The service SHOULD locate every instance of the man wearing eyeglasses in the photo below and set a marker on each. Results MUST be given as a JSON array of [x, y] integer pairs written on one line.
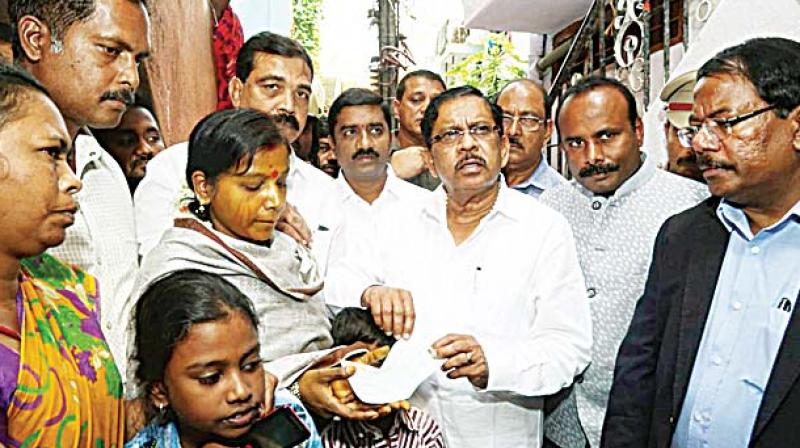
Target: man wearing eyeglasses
[[616, 203], [526, 122], [712, 356], [494, 278]]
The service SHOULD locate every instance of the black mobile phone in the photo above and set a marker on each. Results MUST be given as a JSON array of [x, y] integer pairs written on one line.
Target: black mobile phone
[[281, 428]]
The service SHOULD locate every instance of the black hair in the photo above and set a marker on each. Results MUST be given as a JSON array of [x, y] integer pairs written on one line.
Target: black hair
[[596, 82], [322, 127], [427, 74], [356, 97], [168, 309], [58, 15], [15, 84], [353, 325], [432, 112], [6, 32], [547, 103], [769, 63], [322, 132], [269, 43], [226, 140]]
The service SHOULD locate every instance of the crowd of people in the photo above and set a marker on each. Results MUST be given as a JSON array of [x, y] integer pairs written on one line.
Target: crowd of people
[[173, 297]]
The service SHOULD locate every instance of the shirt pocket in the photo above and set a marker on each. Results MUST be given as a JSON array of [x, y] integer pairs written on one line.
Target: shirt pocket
[[767, 343], [503, 299]]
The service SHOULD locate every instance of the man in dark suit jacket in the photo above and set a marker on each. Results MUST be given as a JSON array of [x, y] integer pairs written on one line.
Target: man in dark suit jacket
[[712, 356]]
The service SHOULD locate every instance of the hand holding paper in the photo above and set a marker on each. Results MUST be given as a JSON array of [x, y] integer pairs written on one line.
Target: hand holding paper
[[406, 367]]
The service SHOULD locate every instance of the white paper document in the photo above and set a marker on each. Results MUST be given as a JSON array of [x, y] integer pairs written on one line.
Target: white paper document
[[406, 367]]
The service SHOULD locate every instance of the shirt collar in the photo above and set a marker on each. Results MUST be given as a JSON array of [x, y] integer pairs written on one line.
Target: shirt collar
[[401, 418], [87, 151], [733, 218], [390, 187], [538, 179], [639, 178], [436, 203], [294, 161]]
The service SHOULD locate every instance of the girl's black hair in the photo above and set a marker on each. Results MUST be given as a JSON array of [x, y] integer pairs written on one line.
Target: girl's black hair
[[171, 305], [225, 140]]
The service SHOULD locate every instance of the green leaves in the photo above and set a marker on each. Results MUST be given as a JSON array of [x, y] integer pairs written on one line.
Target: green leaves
[[490, 68], [306, 16]]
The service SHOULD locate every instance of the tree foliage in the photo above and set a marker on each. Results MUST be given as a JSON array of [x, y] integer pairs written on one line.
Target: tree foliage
[[306, 17], [491, 67]]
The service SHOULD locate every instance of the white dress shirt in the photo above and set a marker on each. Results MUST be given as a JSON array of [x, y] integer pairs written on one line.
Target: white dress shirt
[[515, 285], [615, 237], [102, 241], [161, 197], [395, 191]]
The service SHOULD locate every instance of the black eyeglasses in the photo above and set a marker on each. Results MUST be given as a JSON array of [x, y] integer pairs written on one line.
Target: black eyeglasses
[[717, 129], [452, 136]]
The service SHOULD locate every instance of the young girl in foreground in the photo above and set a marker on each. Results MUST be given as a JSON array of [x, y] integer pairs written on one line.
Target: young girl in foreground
[[198, 361]]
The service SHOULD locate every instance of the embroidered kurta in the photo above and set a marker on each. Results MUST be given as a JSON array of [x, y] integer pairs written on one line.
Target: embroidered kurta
[[615, 237]]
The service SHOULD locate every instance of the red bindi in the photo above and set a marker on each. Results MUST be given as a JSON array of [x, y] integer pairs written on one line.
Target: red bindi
[[274, 174]]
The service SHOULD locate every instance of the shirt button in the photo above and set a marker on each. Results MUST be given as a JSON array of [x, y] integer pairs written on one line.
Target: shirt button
[[698, 416], [716, 360], [108, 325], [755, 250], [596, 205], [591, 292], [737, 306]]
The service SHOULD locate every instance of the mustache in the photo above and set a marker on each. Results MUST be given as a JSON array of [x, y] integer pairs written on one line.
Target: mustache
[[704, 161], [287, 119], [142, 158], [691, 159], [598, 168], [334, 165], [470, 158], [366, 152], [126, 96]]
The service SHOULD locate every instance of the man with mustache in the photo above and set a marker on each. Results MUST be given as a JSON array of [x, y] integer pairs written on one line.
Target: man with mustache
[[526, 120], [87, 55], [133, 143], [678, 97], [414, 92], [711, 356], [497, 290], [368, 186], [616, 203], [273, 75]]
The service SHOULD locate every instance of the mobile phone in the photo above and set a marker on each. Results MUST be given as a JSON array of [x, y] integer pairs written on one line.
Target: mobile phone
[[281, 428]]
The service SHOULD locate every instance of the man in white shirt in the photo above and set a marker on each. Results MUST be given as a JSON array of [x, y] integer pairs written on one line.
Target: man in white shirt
[[615, 203], [92, 80], [494, 278], [273, 75], [361, 136], [526, 122]]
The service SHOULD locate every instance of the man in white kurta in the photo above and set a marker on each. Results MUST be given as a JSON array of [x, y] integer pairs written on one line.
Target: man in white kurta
[[494, 278]]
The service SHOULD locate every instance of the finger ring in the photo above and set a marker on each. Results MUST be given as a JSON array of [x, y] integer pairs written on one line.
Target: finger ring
[[469, 357]]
